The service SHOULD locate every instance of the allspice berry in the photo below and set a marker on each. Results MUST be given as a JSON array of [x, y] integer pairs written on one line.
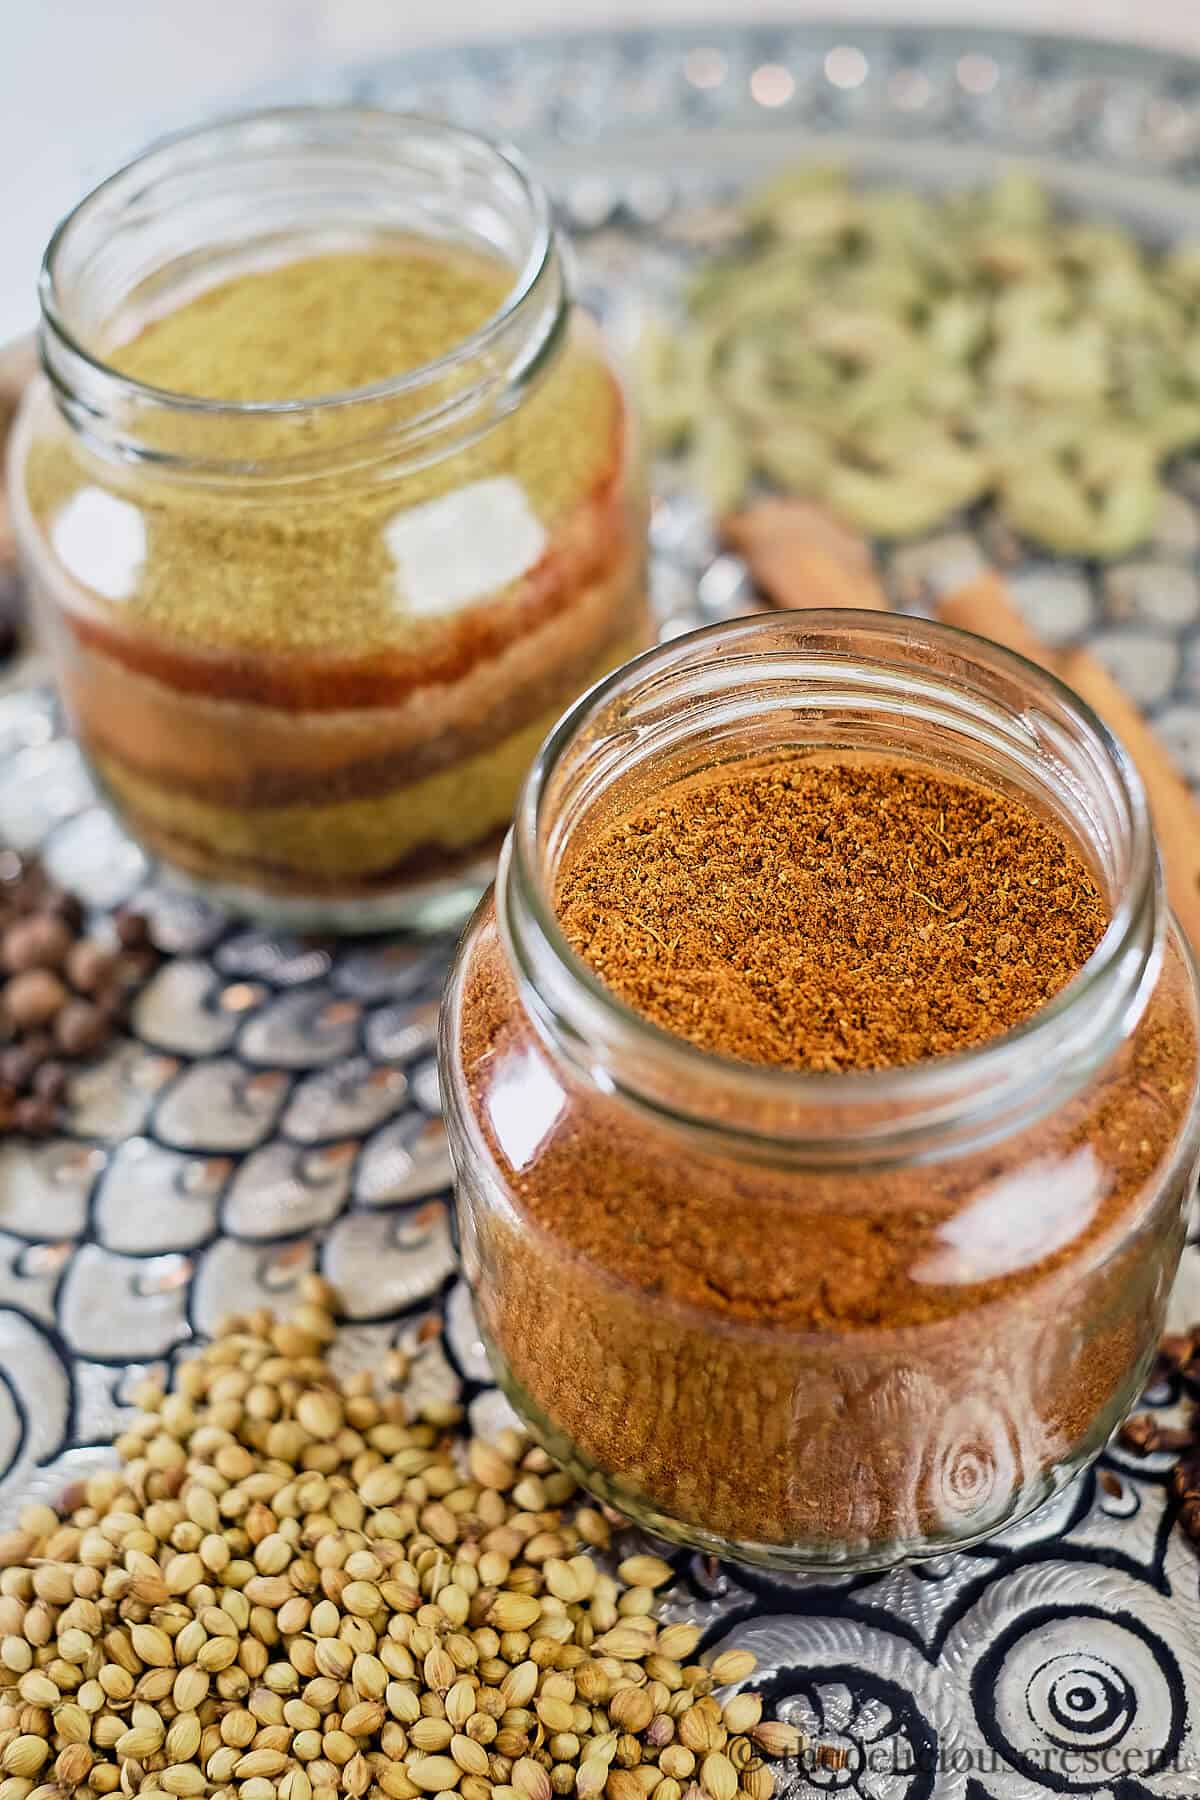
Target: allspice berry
[[64, 990], [40, 941], [89, 966], [33, 998], [35, 1117], [80, 1028], [17, 1066]]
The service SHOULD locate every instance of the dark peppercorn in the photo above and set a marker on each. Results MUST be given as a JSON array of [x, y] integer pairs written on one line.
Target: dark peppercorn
[[80, 1028], [40, 1045], [135, 966], [68, 908], [17, 1065], [50, 1081], [36, 1118], [133, 930]]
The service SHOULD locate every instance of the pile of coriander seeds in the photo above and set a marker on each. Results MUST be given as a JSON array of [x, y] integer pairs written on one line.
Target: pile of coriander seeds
[[295, 1588]]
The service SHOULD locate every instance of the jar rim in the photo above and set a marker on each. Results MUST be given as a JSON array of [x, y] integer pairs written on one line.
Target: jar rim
[[227, 131], [529, 922]]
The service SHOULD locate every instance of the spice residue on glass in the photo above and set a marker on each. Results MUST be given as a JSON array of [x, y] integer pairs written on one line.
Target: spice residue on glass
[[832, 915], [311, 649]]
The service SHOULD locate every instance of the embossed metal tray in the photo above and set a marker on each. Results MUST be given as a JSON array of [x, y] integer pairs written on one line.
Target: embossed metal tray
[[274, 1107]]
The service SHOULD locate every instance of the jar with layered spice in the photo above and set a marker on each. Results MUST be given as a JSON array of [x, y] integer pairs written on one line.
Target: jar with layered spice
[[851, 1307], [330, 502]]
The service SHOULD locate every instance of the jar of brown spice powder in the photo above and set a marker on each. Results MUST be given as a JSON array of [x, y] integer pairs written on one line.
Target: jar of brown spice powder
[[822, 1084], [330, 502]]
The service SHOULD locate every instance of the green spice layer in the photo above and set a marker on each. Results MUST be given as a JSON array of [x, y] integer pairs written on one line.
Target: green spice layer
[[318, 326], [303, 562]]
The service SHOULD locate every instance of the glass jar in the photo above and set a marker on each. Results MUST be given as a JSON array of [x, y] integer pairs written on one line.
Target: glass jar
[[310, 645], [814, 1319]]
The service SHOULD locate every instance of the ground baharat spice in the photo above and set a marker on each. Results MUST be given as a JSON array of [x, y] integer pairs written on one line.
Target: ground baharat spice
[[833, 916], [282, 694], [822, 1363], [319, 584]]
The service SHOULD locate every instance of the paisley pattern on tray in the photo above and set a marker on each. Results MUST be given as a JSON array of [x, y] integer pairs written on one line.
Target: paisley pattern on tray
[[275, 1108]]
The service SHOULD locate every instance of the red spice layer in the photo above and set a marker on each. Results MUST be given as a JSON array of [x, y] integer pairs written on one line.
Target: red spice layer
[[236, 754], [583, 546]]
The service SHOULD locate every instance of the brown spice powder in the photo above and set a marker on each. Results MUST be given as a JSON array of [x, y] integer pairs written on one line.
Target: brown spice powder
[[833, 916], [825, 1359]]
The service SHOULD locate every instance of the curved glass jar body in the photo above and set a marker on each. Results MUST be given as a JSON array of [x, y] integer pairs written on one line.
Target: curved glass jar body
[[831, 1319], [310, 647]]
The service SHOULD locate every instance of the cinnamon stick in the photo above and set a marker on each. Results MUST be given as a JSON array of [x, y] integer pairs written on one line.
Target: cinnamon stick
[[1173, 806], [801, 557], [985, 607]]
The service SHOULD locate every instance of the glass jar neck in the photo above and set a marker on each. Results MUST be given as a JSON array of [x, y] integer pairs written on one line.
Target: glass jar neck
[[267, 189], [836, 682]]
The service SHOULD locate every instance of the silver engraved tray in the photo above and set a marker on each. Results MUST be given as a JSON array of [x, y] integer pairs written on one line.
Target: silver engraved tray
[[274, 1106]]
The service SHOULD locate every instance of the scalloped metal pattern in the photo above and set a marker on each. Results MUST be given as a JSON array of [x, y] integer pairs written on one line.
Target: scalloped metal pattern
[[274, 1107]]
